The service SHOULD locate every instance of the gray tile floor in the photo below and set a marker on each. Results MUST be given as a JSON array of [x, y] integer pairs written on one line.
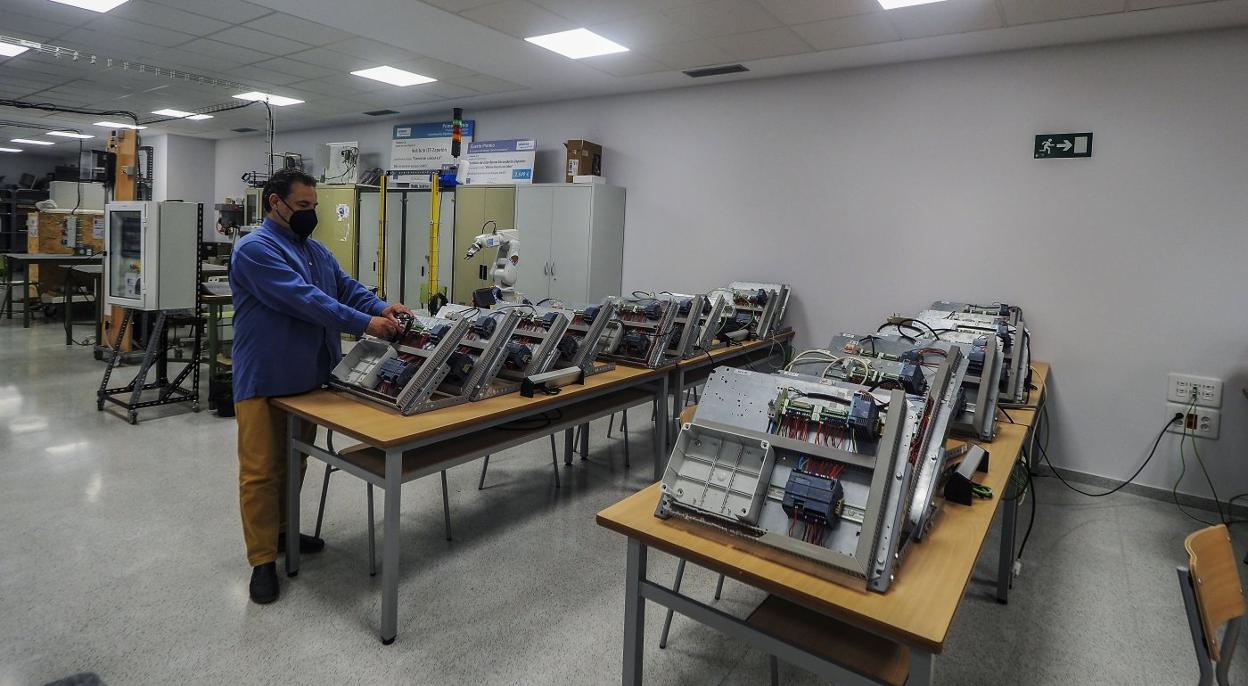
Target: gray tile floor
[[121, 553]]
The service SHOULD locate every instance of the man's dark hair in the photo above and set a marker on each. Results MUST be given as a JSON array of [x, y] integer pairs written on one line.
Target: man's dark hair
[[281, 181]]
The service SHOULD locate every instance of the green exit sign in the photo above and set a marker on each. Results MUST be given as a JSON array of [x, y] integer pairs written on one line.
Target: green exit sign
[[1050, 146]]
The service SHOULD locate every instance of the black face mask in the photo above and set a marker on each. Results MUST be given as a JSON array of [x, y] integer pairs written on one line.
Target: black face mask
[[302, 222]]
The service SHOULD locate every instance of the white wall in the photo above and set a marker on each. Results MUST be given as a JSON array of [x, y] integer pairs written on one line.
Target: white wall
[[184, 168], [878, 190]]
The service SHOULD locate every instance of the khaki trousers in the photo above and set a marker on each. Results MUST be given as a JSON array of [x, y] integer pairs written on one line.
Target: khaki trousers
[[262, 475]]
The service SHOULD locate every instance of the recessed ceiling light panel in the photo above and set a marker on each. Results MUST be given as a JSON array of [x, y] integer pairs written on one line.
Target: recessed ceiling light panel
[[394, 77], [577, 44], [10, 50], [172, 113], [69, 134], [199, 117], [117, 125], [278, 100], [93, 5], [31, 142], [10, 149], [894, 4]]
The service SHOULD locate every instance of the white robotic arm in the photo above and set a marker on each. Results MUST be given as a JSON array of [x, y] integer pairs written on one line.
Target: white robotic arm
[[507, 241]]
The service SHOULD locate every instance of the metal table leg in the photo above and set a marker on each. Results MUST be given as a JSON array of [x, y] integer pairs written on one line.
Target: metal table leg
[[390, 548], [69, 304], [678, 402], [634, 613], [1005, 562], [584, 441], [567, 447], [293, 425], [922, 668], [25, 298], [7, 308], [661, 446]]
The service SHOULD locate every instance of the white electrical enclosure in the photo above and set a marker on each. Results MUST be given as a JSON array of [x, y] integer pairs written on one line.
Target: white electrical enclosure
[[151, 254]]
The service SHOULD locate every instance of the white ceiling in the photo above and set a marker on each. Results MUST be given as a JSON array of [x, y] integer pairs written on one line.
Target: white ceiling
[[306, 48]]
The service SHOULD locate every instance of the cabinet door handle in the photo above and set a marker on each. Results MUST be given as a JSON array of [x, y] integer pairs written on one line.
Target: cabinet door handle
[[552, 268], [545, 269]]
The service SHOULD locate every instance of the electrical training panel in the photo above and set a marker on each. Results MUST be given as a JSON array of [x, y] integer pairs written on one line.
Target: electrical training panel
[[755, 309], [482, 352], [581, 342], [819, 472], [713, 321], [404, 374], [931, 372], [983, 350], [779, 292], [531, 347], [152, 254], [687, 325], [1016, 375], [640, 331]]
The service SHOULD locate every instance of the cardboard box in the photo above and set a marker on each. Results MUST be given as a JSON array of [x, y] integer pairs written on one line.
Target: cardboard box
[[584, 159]]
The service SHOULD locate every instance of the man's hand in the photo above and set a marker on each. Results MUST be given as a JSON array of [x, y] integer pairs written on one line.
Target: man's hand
[[382, 327], [395, 309]]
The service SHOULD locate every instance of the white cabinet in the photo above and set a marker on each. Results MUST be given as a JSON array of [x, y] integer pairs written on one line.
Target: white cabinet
[[572, 241], [152, 250]]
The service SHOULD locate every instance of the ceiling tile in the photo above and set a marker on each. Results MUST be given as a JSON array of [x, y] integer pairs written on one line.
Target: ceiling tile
[[196, 62], [483, 83], [412, 103], [644, 31], [625, 64], [806, 11], [945, 18], [1032, 11], [168, 17], [141, 32], [586, 12], [236, 11], [290, 67], [518, 18], [860, 29], [723, 17], [368, 49], [336, 62], [696, 53], [259, 76], [108, 45], [33, 28], [295, 28], [427, 66], [757, 45], [224, 51], [258, 40], [439, 88], [458, 5]]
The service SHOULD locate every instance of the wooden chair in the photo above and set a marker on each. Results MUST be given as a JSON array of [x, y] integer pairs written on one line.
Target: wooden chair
[[1213, 597]]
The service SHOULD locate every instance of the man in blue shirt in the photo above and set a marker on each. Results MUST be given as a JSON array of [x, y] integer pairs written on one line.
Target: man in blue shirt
[[292, 303]]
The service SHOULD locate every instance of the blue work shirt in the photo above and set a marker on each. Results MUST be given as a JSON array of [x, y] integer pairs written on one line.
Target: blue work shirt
[[292, 302]]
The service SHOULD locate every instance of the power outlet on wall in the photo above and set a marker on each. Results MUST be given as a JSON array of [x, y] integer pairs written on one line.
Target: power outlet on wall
[[1201, 422], [1183, 388]]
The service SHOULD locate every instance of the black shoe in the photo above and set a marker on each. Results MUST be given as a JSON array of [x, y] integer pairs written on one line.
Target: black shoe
[[264, 583], [307, 544]]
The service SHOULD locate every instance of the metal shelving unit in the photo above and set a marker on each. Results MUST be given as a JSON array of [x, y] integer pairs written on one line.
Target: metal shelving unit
[[15, 203]]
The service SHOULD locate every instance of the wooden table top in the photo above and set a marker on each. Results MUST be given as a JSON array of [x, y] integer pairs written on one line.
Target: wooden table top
[[918, 608], [747, 347], [382, 427]]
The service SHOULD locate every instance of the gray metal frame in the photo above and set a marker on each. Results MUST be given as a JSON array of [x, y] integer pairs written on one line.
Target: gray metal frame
[[588, 349], [481, 381], [684, 346], [1016, 359], [778, 303], [391, 482], [638, 589]]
